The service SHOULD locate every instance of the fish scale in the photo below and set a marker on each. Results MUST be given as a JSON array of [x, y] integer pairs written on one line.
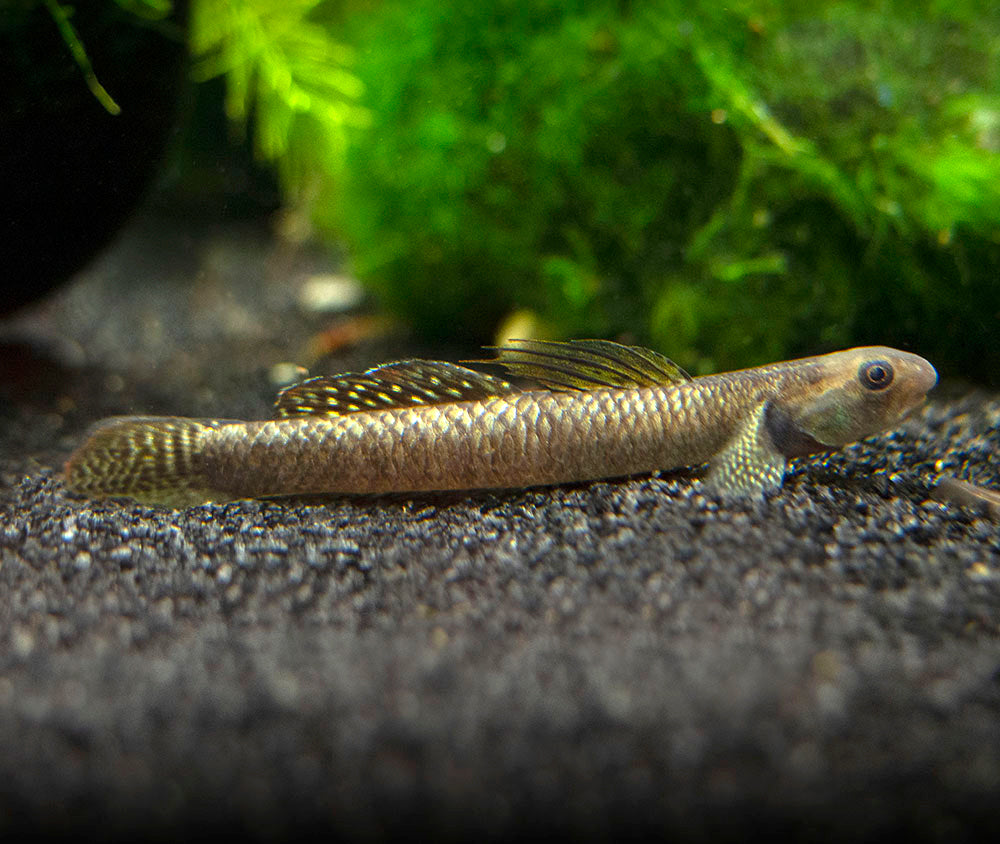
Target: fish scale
[[574, 427]]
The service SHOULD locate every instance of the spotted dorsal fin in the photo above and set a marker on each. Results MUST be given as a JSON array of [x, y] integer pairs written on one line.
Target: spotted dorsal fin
[[587, 364], [405, 384]]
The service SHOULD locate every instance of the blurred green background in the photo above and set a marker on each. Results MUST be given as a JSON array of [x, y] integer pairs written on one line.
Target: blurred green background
[[729, 185]]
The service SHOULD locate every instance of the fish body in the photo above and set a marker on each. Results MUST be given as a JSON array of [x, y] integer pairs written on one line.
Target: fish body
[[600, 410]]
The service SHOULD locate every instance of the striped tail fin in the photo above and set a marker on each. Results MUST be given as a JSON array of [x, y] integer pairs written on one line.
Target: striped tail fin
[[156, 460]]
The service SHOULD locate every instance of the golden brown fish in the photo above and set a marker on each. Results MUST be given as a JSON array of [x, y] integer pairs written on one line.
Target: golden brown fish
[[600, 410]]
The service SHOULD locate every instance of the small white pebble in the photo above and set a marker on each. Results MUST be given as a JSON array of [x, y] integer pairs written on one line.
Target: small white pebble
[[285, 373], [330, 294]]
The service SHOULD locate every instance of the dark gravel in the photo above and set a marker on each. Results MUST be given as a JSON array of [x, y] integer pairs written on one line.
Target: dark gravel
[[587, 660]]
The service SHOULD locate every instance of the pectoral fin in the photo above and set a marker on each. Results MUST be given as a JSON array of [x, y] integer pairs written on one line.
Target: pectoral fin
[[750, 464]]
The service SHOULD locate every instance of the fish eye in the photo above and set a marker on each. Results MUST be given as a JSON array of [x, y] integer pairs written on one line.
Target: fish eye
[[875, 374]]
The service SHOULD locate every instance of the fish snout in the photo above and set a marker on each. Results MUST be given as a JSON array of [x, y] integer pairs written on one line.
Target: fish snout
[[929, 375], [924, 377], [920, 377]]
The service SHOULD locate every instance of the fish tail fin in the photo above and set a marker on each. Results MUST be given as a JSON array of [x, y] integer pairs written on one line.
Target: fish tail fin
[[156, 460]]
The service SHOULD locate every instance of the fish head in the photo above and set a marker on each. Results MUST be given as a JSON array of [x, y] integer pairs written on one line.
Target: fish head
[[847, 396]]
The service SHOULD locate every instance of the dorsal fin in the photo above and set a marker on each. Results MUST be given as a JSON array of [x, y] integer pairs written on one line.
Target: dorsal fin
[[403, 384], [587, 364]]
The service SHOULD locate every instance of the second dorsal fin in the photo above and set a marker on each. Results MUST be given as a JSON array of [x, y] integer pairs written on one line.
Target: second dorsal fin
[[404, 384], [587, 364]]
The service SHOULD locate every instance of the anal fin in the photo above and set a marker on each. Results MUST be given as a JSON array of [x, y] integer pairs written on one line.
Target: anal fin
[[750, 464]]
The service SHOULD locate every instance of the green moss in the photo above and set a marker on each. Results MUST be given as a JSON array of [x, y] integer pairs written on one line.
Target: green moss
[[541, 163], [731, 184]]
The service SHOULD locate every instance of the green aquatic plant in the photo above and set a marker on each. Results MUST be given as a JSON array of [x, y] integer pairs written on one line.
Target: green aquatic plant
[[283, 66], [732, 184], [62, 15]]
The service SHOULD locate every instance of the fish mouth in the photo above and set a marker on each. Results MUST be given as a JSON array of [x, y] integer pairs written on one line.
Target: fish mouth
[[928, 379], [922, 378]]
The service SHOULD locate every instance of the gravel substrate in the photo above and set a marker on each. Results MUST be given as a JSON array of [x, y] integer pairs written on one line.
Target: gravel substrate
[[590, 660]]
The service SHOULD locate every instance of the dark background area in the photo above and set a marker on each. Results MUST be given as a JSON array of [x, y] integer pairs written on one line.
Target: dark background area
[[73, 172]]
